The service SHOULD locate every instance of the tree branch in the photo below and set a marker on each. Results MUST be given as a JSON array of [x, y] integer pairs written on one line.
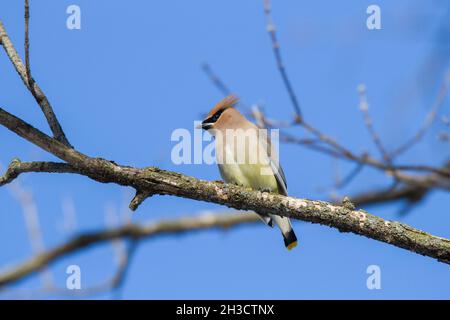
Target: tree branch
[[156, 181], [27, 44], [348, 219], [17, 167], [410, 193], [429, 119], [364, 107], [279, 61], [31, 85], [131, 231], [220, 85]]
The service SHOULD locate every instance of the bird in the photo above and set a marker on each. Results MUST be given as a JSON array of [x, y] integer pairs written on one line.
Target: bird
[[245, 158]]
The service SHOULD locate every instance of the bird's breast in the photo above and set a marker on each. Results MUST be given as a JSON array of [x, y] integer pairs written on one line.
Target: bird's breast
[[252, 175]]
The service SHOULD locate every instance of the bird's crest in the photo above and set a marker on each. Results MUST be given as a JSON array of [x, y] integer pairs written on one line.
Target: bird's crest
[[227, 102]]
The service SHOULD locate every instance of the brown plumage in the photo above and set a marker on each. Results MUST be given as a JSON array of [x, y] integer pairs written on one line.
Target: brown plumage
[[227, 102]]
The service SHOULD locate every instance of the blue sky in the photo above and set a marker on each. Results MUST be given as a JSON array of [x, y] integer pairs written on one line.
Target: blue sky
[[132, 75]]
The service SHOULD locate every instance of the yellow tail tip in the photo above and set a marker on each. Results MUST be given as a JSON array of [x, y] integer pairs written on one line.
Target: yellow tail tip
[[292, 245]]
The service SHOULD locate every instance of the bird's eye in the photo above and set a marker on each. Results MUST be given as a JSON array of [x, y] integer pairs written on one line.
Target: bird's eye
[[215, 116]]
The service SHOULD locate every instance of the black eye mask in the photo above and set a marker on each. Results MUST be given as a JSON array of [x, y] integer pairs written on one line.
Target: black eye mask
[[215, 116]]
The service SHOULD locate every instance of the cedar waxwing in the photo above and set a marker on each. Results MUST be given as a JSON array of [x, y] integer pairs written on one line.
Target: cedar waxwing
[[245, 158]]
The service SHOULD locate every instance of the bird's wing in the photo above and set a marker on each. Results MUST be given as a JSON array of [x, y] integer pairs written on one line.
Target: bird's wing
[[266, 219], [280, 177], [275, 166]]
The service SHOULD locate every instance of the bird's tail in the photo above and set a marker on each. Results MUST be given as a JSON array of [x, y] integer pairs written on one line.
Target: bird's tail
[[290, 240]]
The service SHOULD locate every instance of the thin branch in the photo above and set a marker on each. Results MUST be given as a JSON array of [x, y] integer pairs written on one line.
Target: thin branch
[[409, 193], [219, 84], [123, 252], [27, 45], [364, 107], [309, 143], [112, 284], [256, 114], [130, 231], [341, 152], [139, 198], [444, 136], [430, 180], [446, 121], [262, 120], [429, 119], [279, 61], [350, 176], [17, 167], [35, 90], [31, 217]]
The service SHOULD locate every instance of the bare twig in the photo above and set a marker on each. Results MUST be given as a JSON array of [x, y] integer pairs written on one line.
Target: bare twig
[[112, 284], [220, 85], [408, 193], [446, 120], [444, 136], [131, 231], [258, 116], [340, 149], [69, 217], [341, 152], [279, 61], [141, 196], [364, 107], [429, 119], [31, 217], [35, 90], [27, 45], [16, 168], [350, 176], [123, 252]]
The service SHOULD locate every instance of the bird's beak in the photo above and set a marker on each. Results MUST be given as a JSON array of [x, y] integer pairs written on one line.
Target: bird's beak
[[204, 125]]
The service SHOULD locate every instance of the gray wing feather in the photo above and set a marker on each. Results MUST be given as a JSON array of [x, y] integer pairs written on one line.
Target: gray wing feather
[[276, 168], [280, 177]]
